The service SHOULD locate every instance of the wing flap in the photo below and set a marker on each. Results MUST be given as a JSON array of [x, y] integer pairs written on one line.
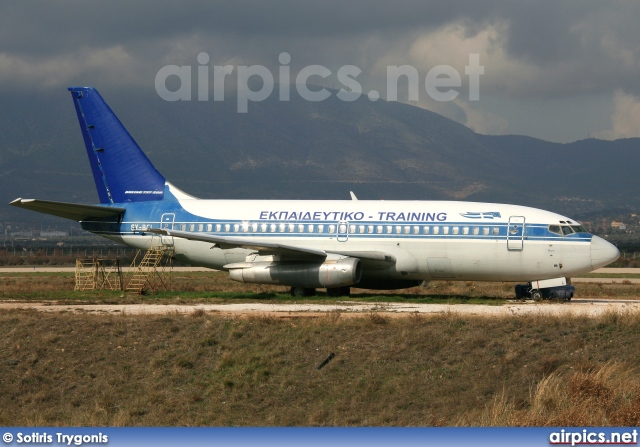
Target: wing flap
[[73, 211], [372, 259], [262, 247]]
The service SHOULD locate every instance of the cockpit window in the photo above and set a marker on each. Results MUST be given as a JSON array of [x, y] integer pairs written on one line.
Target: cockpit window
[[554, 229], [566, 230]]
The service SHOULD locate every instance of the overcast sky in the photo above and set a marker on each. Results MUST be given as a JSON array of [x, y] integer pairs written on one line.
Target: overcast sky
[[556, 70]]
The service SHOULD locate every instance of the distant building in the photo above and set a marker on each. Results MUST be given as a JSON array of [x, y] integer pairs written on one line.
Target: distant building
[[21, 234], [54, 234], [618, 225]]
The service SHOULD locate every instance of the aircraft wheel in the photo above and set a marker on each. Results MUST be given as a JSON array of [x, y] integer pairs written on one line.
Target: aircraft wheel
[[536, 296]]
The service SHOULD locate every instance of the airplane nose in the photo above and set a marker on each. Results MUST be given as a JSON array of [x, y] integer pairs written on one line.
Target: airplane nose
[[602, 252]]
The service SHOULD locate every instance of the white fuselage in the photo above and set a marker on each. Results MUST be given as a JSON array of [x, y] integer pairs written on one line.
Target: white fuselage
[[429, 239]]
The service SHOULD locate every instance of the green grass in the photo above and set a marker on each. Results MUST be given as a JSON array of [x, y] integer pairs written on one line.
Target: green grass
[[215, 287], [212, 287], [611, 275]]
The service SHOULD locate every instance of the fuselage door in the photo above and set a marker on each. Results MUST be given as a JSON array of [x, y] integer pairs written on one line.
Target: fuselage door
[[166, 223], [515, 233], [343, 231]]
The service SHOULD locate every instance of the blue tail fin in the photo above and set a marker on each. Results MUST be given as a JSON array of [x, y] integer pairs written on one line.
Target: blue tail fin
[[122, 172]]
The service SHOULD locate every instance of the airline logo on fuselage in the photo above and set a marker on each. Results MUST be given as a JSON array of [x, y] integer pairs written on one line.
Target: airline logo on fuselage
[[485, 215]]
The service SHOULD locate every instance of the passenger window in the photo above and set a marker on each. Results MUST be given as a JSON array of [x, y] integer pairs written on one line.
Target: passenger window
[[465, 230], [227, 227], [342, 228], [485, 231], [426, 229], [209, 227], [476, 230], [361, 229], [254, 227], [320, 228], [369, 229], [282, 227], [496, 231], [445, 230], [200, 227], [436, 230], [183, 227], [300, 228], [236, 227], [310, 228], [416, 230], [389, 229], [272, 228], [379, 229], [456, 230], [218, 227], [398, 229], [332, 229], [192, 227], [407, 230], [291, 228], [263, 228], [352, 229]]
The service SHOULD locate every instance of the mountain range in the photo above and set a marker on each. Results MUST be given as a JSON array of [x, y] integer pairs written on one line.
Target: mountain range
[[310, 150]]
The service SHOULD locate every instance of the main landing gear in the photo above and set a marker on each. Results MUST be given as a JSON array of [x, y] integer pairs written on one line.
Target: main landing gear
[[303, 291], [331, 291], [339, 291]]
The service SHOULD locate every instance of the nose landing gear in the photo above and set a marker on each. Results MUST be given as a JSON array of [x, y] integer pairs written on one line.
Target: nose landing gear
[[559, 289]]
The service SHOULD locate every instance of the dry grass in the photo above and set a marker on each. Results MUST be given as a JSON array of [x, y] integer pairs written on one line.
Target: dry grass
[[203, 369], [594, 395]]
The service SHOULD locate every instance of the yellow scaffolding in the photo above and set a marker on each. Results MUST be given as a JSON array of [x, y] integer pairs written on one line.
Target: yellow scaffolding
[[153, 271], [98, 274]]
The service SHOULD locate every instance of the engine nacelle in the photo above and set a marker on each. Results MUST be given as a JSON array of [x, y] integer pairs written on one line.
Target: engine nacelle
[[331, 273]]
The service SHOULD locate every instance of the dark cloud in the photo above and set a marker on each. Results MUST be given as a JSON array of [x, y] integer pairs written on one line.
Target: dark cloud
[[532, 50], [36, 27]]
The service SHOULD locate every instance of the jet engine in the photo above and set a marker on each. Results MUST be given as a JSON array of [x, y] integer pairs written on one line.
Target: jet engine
[[330, 273]]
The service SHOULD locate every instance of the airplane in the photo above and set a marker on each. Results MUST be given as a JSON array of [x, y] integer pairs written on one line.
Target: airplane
[[332, 244]]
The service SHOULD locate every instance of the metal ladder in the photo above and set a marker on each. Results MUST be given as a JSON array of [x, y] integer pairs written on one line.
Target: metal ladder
[[146, 275]]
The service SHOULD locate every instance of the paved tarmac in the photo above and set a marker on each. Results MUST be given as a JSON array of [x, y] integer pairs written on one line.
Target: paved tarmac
[[583, 307]]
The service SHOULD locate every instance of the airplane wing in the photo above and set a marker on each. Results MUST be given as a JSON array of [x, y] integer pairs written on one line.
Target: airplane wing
[[71, 211], [262, 247], [375, 259]]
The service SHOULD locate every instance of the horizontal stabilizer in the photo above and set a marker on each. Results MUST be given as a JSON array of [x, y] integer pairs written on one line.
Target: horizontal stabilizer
[[71, 211]]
